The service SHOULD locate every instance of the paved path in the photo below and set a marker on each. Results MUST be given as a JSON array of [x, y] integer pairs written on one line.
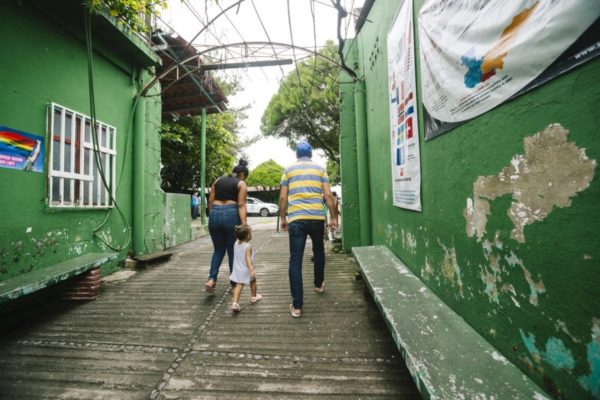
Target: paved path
[[157, 335]]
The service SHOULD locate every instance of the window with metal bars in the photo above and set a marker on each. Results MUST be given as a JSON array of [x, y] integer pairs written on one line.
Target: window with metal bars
[[77, 160]]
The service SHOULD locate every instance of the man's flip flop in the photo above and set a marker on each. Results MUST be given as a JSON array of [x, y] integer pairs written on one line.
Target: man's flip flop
[[320, 289]]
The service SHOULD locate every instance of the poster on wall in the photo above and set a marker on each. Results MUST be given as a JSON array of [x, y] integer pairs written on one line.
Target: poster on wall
[[404, 125], [21, 150], [476, 55]]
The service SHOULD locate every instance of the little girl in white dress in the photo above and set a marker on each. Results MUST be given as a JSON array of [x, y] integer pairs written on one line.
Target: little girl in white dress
[[243, 266]]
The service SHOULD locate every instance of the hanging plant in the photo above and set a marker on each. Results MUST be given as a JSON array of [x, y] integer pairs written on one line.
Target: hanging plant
[[130, 12]]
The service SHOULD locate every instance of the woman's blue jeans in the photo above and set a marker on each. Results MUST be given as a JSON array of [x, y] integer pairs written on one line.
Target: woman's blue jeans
[[221, 221], [298, 231]]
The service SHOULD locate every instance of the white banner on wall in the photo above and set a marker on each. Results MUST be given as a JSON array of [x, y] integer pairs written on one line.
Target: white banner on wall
[[476, 55], [404, 125]]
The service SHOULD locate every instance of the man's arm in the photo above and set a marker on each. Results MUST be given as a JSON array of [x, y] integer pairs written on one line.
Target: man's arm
[[283, 202], [331, 205]]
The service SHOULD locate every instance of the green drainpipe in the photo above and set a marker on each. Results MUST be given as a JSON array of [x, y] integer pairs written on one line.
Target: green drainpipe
[[203, 167], [362, 156], [139, 146]]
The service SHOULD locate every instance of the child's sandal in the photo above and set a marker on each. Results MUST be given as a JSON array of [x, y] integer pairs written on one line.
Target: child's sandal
[[256, 298], [235, 307]]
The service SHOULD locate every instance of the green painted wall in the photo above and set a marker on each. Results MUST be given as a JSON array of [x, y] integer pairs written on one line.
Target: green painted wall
[[178, 220], [348, 165], [154, 203], [536, 301], [45, 61]]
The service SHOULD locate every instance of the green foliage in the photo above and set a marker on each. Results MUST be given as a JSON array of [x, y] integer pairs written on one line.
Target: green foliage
[[333, 171], [310, 110], [131, 12], [180, 147], [266, 175]]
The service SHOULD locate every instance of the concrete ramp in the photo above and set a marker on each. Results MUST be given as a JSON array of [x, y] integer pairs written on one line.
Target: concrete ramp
[[157, 335]]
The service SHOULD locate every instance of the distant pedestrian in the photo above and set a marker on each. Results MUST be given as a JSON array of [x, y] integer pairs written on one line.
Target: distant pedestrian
[[304, 186], [227, 208], [336, 201], [243, 267], [194, 205]]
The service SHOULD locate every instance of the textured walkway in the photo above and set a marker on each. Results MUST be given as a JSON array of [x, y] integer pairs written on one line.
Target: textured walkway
[[157, 335]]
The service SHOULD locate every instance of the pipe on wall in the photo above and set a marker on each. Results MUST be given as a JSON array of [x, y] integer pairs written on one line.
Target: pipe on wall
[[362, 156], [139, 176]]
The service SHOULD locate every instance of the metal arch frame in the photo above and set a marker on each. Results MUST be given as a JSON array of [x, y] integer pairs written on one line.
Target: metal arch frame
[[224, 46]]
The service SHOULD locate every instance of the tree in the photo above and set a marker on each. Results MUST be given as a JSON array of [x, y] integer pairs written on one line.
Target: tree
[[180, 148], [307, 105], [333, 171], [180, 145], [266, 175]]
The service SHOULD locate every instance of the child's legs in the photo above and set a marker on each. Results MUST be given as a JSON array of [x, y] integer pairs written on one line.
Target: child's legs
[[253, 287], [237, 290]]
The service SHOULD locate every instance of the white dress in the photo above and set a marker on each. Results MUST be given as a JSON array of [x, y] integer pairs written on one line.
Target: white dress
[[240, 272]]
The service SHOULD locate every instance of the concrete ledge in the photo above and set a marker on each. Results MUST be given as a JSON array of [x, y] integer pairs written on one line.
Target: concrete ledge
[[447, 358], [46, 276]]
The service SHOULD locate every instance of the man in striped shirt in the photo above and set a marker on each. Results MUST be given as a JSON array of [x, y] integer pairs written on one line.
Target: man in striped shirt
[[304, 185]]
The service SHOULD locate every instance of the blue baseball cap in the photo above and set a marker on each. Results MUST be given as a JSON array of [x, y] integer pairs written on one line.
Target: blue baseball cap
[[303, 149]]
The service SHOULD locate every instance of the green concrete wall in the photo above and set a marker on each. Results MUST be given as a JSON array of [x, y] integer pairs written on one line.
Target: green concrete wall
[[178, 220], [348, 165], [154, 203], [48, 64], [536, 300]]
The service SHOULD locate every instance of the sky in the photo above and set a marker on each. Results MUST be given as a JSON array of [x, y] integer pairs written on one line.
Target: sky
[[187, 17]]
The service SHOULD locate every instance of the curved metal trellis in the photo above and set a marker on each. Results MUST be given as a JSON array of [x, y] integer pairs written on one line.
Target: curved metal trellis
[[245, 45]]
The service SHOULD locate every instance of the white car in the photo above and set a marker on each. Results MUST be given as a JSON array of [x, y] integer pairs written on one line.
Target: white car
[[257, 206]]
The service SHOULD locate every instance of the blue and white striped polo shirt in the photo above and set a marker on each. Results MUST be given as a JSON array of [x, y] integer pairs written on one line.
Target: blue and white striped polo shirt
[[304, 180]]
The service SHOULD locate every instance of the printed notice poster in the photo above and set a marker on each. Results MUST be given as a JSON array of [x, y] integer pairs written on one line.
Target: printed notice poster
[[404, 127], [475, 55], [21, 150]]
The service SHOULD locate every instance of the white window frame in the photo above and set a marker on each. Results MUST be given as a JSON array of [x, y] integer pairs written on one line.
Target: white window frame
[[76, 183]]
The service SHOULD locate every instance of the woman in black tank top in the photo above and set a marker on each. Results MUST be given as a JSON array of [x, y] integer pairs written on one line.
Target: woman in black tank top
[[227, 208]]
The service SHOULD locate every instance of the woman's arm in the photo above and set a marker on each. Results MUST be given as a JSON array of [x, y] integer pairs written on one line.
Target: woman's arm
[[211, 195], [241, 202]]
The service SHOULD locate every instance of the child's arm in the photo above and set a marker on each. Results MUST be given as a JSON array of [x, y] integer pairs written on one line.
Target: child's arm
[[249, 262]]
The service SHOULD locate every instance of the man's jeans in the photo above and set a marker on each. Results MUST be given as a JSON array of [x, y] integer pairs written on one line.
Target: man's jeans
[[221, 221], [298, 231]]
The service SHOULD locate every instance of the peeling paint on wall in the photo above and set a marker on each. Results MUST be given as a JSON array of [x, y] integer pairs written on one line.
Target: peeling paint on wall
[[498, 269], [551, 171], [447, 269], [535, 288], [409, 241], [450, 267], [490, 286], [391, 234], [591, 382], [561, 326], [32, 252], [556, 353], [426, 271]]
